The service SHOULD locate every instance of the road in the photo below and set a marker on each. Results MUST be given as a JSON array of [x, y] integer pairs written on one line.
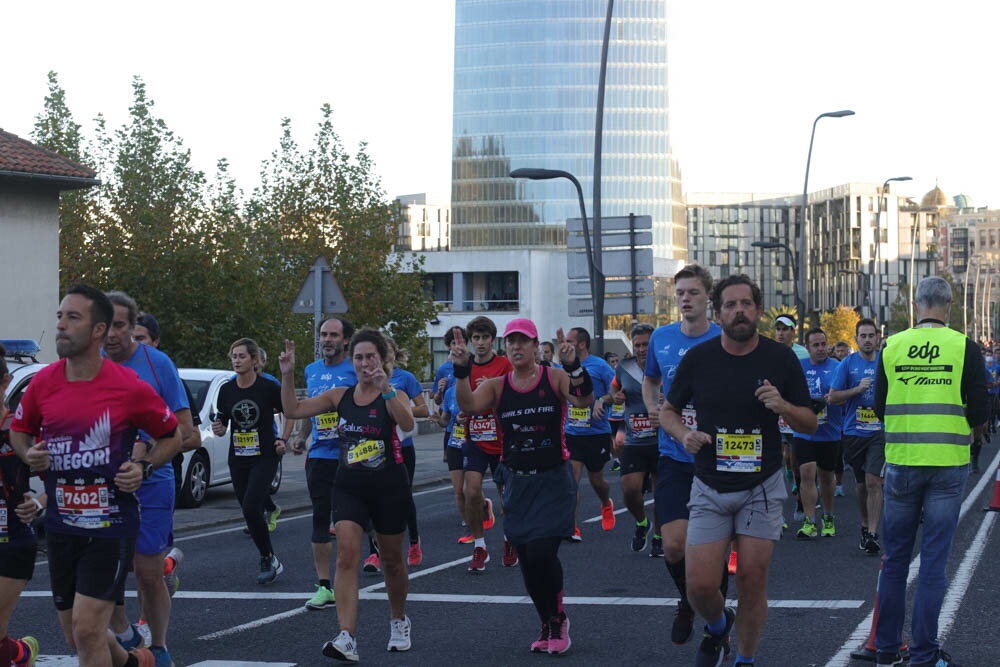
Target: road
[[620, 603]]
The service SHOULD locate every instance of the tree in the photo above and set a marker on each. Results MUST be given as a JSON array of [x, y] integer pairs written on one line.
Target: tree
[[839, 325], [766, 324]]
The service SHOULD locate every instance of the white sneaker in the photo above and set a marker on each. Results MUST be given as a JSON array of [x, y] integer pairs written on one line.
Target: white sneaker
[[344, 647], [399, 634]]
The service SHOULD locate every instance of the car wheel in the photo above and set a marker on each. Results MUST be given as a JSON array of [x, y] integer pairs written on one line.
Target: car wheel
[[276, 481], [195, 485]]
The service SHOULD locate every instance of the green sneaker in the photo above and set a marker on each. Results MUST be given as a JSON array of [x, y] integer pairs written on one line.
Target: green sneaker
[[807, 531], [323, 598], [272, 519], [828, 530]]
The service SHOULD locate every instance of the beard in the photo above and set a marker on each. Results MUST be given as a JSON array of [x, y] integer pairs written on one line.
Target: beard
[[740, 329]]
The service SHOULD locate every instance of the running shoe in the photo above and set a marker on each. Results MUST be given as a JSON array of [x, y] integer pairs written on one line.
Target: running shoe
[[270, 568], [144, 657], [656, 548], [942, 659], [343, 647], [683, 626], [798, 515], [29, 650], [171, 562], [488, 518], [883, 658], [480, 557], [638, 542], [333, 531], [272, 519], [616, 465], [873, 547], [322, 599], [828, 530], [807, 531], [795, 488], [541, 645], [145, 633], [372, 565], [399, 634], [711, 652], [576, 536], [467, 539], [162, 656], [731, 567], [839, 491], [608, 515], [509, 554], [863, 541], [559, 641], [135, 642], [414, 554]]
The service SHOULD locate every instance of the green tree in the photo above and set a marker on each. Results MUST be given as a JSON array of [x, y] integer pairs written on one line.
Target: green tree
[[766, 324]]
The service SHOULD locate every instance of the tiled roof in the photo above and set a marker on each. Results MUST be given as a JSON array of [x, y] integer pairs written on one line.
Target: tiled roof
[[19, 156]]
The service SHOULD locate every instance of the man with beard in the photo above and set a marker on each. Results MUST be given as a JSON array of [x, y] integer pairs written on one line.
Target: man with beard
[[739, 383], [334, 369]]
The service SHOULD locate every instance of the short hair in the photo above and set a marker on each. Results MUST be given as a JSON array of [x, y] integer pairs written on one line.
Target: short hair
[[842, 343], [640, 329], [608, 356], [449, 336], [250, 344], [814, 332], [865, 322], [125, 301], [481, 324], [376, 338], [345, 324], [729, 281], [548, 343], [582, 336], [695, 271], [933, 292], [101, 309]]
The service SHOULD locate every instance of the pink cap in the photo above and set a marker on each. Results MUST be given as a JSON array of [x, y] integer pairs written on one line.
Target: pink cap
[[522, 326]]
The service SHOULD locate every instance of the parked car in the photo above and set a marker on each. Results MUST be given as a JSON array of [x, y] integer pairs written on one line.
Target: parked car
[[209, 465]]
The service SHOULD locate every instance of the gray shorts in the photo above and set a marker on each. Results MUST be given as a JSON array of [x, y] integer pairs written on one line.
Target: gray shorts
[[717, 516]]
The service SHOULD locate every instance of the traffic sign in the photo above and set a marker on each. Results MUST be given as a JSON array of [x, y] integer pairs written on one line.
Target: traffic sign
[[612, 240], [612, 287], [614, 263], [617, 305], [327, 299], [613, 224]]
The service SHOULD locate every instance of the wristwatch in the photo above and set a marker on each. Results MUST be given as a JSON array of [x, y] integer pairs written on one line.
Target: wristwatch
[[147, 468]]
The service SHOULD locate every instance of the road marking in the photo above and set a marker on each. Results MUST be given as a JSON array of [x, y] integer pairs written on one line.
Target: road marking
[[842, 658], [255, 624], [595, 519], [73, 661]]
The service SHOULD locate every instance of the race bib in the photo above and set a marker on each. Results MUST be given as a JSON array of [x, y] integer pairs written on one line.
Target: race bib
[[689, 417], [246, 444], [367, 453], [738, 452], [579, 417], [84, 505], [641, 426], [617, 411], [821, 417], [867, 420], [326, 425], [457, 435], [483, 428]]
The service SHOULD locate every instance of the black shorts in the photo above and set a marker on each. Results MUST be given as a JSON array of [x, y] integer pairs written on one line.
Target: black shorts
[[379, 498], [320, 475], [592, 451], [475, 459], [823, 452], [639, 458], [93, 566], [453, 455], [673, 489], [866, 454], [18, 562]]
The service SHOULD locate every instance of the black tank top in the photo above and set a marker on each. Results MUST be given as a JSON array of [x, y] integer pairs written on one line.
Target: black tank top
[[532, 422], [368, 439]]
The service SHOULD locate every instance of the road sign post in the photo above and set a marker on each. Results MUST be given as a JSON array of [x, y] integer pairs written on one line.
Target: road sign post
[[319, 294]]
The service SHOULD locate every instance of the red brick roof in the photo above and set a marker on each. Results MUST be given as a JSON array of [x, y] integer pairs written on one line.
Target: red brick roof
[[21, 157]]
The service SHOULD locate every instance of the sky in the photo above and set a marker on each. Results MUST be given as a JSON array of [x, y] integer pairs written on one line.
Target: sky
[[746, 81]]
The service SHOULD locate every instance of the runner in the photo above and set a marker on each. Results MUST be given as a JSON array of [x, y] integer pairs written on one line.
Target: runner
[[739, 383], [784, 333], [538, 489], [156, 495], [334, 369], [248, 402], [89, 410], [453, 420], [675, 468], [588, 431], [864, 434], [444, 378], [371, 483]]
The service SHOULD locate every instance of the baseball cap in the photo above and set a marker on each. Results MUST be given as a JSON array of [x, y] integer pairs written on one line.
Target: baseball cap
[[148, 321], [522, 326], [787, 320]]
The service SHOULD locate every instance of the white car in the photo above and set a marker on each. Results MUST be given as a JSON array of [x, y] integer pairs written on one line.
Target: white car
[[209, 465]]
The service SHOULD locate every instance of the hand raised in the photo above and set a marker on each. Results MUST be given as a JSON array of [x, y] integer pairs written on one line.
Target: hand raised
[[286, 359]]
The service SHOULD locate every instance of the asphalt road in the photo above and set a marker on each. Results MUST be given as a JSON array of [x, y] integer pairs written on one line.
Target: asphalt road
[[620, 604]]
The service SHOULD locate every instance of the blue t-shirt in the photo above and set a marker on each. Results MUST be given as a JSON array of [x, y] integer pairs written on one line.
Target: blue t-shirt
[[992, 370], [581, 421], [159, 372], [446, 370], [450, 406], [859, 411], [319, 378], [819, 379], [406, 382], [667, 346]]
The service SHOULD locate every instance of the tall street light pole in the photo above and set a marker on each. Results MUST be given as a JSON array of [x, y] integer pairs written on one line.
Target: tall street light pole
[[596, 201], [593, 271], [877, 282], [799, 303], [965, 295], [804, 235]]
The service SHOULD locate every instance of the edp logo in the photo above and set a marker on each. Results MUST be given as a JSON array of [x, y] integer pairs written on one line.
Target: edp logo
[[926, 352]]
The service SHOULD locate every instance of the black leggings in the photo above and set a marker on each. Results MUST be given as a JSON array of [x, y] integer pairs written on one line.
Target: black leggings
[[410, 461], [252, 483], [543, 575]]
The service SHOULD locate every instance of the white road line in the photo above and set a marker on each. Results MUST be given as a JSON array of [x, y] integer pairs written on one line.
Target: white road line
[[595, 519], [963, 576], [255, 624], [842, 658], [73, 661], [420, 573]]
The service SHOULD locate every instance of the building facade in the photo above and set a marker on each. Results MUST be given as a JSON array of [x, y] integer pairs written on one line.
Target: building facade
[[422, 226], [971, 254]]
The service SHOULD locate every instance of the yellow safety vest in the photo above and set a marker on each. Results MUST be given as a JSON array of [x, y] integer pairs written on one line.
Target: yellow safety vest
[[925, 422]]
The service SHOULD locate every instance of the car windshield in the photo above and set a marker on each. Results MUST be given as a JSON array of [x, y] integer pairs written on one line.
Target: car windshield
[[199, 389]]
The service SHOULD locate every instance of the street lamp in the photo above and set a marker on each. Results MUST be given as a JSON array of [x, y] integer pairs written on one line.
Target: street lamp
[[877, 283], [865, 300], [965, 294], [799, 302], [593, 271], [804, 236]]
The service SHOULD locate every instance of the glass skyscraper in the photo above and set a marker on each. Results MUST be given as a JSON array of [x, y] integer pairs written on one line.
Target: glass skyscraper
[[526, 75]]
